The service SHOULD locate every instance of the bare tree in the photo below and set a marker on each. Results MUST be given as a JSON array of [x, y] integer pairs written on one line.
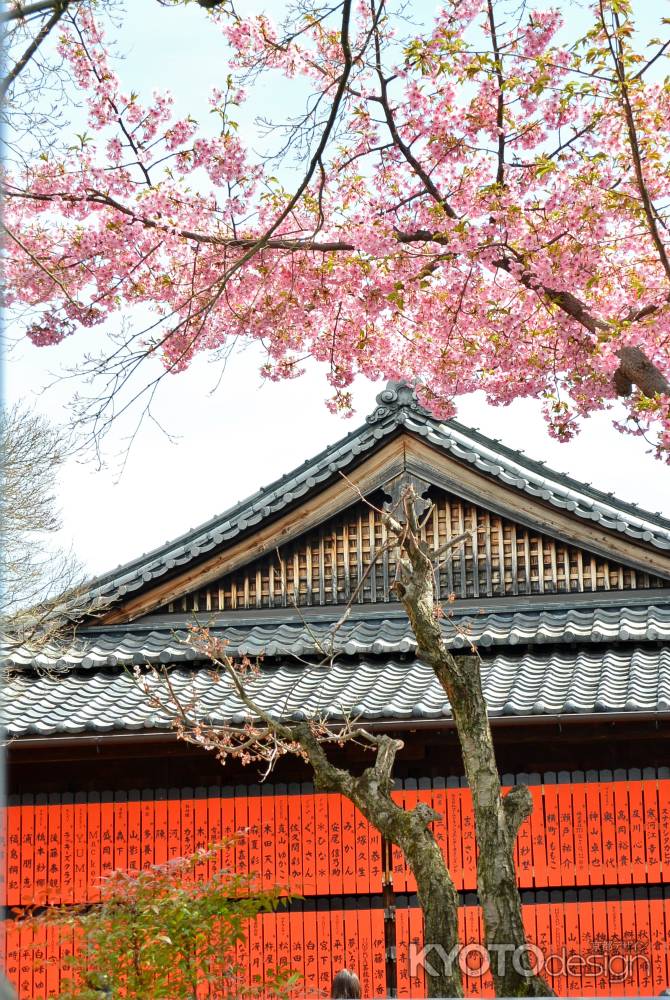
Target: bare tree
[[40, 594], [266, 736]]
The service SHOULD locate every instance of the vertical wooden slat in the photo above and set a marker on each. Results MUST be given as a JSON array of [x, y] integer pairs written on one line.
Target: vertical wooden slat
[[645, 967], [268, 863], [134, 830], [398, 865], [295, 845], [614, 935], [322, 570], [94, 845], [359, 558], [41, 849], [539, 544], [469, 840], [447, 538], [474, 543], [403, 988], [282, 926], [378, 953], [334, 813], [241, 813], [324, 947], [557, 925], [27, 848], [362, 845], [365, 947], [296, 579], [348, 847], [38, 957], [377, 863], [594, 831], [67, 846], [487, 554], [160, 820], [527, 565], [80, 847], [455, 833], [53, 961], [659, 950], [174, 824], [524, 854], [461, 552], [309, 573], [308, 828], [187, 830], [147, 829], [297, 948], [214, 825], [622, 825], [664, 825], [608, 826], [281, 834], [321, 843], [651, 825], [337, 934], [311, 952], [514, 554], [552, 830], [566, 829], [538, 833], [572, 945], [228, 827], [26, 961], [254, 973], [333, 567], [373, 554], [106, 834], [580, 827], [54, 848], [201, 868]]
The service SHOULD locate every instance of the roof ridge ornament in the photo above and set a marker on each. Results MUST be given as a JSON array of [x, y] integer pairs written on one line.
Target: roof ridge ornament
[[394, 398]]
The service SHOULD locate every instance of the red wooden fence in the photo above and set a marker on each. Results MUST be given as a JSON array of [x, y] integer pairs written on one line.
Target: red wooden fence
[[594, 856]]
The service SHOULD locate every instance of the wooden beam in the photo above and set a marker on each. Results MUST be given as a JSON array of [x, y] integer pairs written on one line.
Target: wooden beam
[[472, 485]]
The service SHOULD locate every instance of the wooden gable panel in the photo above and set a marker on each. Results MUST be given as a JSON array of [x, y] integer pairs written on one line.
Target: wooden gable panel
[[346, 557]]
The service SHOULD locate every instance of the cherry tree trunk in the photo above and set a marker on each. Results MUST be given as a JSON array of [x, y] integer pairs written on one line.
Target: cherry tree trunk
[[497, 819], [410, 831]]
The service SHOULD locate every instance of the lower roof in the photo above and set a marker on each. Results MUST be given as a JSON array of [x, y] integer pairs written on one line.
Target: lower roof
[[617, 679], [366, 632]]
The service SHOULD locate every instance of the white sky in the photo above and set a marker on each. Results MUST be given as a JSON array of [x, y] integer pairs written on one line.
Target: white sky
[[248, 433]]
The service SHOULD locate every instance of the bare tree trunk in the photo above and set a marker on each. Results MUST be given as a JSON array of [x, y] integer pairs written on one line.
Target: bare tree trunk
[[410, 831], [497, 819]]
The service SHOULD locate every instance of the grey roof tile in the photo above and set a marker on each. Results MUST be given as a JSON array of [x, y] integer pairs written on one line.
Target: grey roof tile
[[630, 679], [377, 636]]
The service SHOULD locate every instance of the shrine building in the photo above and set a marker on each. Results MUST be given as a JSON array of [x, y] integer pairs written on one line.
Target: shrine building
[[564, 591]]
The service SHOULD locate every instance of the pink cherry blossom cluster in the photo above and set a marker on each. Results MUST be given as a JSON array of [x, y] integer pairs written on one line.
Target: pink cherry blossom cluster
[[489, 213]]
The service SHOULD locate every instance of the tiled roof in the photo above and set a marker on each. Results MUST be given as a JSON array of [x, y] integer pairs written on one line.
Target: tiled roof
[[532, 685], [371, 636], [397, 409]]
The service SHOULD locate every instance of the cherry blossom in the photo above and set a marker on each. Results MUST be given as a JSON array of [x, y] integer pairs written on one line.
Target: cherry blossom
[[483, 207]]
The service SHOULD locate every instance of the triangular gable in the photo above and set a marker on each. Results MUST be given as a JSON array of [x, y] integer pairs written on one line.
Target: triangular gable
[[345, 559], [536, 531]]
